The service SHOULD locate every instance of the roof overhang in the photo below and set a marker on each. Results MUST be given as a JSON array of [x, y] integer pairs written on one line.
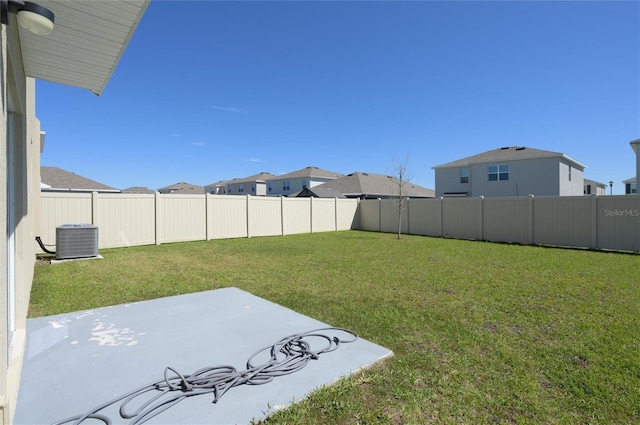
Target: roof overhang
[[635, 145], [87, 42]]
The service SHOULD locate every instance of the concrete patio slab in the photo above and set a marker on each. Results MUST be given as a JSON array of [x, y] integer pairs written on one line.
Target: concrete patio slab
[[77, 361]]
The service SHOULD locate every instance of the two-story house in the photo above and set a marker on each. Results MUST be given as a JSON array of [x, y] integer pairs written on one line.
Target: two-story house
[[511, 171]]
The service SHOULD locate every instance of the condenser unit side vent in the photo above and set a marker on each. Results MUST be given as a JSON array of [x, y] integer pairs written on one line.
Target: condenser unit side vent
[[76, 241]]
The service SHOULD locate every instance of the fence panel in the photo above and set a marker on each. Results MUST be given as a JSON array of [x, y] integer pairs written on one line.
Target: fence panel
[[347, 214], [181, 218], [461, 218], [425, 217], [227, 217], [370, 215], [123, 219], [618, 221], [296, 215], [323, 214], [389, 210], [506, 219], [562, 221], [264, 216], [63, 208]]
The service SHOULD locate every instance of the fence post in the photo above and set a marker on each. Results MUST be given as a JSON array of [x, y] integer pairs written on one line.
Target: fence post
[[248, 216], [335, 215], [207, 225], [282, 215], [379, 214], [441, 216], [311, 214], [94, 208], [481, 230], [157, 217], [594, 221], [530, 219]]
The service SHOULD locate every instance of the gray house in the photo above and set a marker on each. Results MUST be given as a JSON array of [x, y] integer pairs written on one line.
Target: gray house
[[592, 187], [54, 179], [252, 185], [511, 171], [630, 186], [374, 186], [296, 181]]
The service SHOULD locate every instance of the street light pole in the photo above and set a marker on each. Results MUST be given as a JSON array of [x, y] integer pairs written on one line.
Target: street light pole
[[611, 187]]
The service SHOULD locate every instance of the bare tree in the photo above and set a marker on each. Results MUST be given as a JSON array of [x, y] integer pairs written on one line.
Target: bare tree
[[401, 199]]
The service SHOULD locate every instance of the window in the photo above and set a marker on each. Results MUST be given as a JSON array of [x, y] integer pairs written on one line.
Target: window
[[269, 186], [304, 184], [240, 188], [498, 173], [630, 188], [285, 185], [464, 175], [569, 172], [587, 189], [253, 187]]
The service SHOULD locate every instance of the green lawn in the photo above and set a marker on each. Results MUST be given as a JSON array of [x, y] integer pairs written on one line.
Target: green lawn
[[482, 332]]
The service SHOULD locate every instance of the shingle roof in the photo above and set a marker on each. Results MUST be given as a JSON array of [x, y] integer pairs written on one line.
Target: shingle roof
[[58, 179], [137, 189], [182, 188], [319, 192], [375, 185], [309, 172], [260, 176], [506, 154]]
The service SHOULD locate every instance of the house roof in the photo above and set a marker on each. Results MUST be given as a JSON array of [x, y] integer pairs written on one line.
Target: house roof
[[374, 185], [635, 145], [86, 44], [260, 176], [318, 192], [137, 189], [56, 179], [182, 188], [630, 180], [509, 153], [308, 172]]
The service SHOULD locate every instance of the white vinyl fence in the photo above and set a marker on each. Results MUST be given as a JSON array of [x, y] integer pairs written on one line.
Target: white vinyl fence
[[596, 222], [148, 219]]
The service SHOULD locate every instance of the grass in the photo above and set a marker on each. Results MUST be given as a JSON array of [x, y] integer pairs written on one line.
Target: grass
[[482, 332]]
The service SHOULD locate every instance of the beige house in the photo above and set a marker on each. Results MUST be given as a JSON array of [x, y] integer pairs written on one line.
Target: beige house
[[511, 171], [67, 56], [592, 187]]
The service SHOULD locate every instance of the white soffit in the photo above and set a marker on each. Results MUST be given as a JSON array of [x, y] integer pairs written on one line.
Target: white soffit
[[88, 40]]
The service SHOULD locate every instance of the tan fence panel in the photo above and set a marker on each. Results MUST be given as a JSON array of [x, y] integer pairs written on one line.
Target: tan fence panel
[[323, 214], [125, 219], [347, 214], [461, 218], [370, 215], [562, 221], [618, 219], [296, 215], [226, 216], [425, 217], [63, 208], [264, 216], [181, 218], [389, 209], [506, 219]]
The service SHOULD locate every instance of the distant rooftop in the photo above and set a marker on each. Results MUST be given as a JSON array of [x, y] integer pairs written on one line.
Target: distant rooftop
[[505, 154]]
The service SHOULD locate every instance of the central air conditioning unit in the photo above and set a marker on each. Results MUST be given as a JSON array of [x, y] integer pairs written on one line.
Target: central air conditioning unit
[[76, 241]]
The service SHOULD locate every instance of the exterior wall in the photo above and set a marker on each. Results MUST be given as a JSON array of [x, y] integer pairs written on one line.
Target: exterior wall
[[539, 177], [20, 140]]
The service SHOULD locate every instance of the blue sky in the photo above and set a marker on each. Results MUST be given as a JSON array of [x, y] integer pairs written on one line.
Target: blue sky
[[211, 90]]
